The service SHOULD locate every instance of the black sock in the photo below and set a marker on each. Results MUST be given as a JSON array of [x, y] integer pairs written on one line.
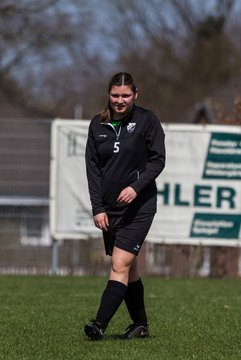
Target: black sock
[[112, 297], [134, 300]]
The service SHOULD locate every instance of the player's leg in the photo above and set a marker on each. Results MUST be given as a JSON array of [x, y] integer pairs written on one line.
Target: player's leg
[[134, 299], [113, 294]]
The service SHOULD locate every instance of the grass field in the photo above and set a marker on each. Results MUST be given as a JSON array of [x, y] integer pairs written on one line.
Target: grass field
[[43, 317]]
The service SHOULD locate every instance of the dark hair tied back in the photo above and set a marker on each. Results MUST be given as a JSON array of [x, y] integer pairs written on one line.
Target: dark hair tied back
[[122, 78]]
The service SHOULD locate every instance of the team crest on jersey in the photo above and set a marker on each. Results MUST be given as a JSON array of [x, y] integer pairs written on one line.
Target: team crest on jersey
[[131, 127]]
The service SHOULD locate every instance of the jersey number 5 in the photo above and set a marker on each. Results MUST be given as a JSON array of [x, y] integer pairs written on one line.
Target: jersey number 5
[[116, 147]]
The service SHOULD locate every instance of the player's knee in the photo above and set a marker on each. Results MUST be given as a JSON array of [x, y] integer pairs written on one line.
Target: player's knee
[[119, 266]]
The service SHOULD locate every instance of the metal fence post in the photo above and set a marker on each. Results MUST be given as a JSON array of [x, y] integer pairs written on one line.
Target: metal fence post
[[55, 256]]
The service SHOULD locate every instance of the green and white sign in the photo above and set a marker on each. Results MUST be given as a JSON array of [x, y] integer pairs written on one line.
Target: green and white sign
[[223, 226], [199, 191], [224, 157]]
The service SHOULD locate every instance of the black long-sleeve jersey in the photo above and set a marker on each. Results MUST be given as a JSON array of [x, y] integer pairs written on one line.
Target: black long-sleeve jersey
[[131, 155]]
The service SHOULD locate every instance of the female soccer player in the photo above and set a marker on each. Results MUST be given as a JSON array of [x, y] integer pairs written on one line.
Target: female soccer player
[[125, 152]]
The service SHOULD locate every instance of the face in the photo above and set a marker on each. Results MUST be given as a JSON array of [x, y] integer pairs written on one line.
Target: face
[[122, 99]]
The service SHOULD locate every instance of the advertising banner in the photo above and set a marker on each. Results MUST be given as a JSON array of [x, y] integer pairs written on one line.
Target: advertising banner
[[199, 191]]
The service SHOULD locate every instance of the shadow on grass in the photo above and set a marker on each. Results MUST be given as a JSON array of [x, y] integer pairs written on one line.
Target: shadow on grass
[[120, 338]]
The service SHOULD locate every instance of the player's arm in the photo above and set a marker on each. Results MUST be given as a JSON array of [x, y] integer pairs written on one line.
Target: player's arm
[[93, 172], [155, 141]]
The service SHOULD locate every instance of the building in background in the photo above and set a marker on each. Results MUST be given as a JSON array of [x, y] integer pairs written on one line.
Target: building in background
[[221, 107], [24, 178]]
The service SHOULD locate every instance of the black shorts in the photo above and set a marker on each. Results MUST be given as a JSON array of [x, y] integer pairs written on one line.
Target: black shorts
[[127, 232]]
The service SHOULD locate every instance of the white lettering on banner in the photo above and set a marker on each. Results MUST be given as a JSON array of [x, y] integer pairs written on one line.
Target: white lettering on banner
[[224, 143], [229, 170], [225, 151]]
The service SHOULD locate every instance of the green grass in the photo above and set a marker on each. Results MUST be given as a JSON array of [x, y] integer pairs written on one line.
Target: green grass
[[43, 317]]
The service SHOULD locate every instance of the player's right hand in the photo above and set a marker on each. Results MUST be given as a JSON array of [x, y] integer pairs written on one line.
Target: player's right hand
[[101, 221]]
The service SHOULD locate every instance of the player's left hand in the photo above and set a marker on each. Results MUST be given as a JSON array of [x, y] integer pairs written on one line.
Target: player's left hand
[[127, 195]]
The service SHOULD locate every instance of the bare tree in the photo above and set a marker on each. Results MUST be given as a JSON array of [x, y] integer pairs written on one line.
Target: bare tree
[[179, 51], [43, 46], [63, 52]]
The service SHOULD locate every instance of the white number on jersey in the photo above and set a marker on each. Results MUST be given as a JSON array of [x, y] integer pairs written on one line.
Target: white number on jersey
[[116, 147]]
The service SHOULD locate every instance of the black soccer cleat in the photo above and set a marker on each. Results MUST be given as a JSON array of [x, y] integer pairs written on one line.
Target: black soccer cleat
[[94, 331], [135, 331]]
